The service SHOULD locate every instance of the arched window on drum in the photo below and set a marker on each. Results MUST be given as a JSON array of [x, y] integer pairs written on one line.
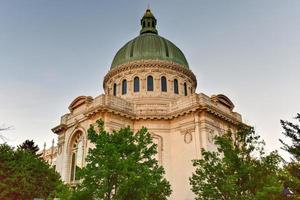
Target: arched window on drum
[[164, 86], [185, 90], [136, 84], [124, 87], [150, 85], [115, 89], [176, 90]]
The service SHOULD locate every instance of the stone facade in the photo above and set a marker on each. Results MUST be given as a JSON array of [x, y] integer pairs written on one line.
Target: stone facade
[[181, 122]]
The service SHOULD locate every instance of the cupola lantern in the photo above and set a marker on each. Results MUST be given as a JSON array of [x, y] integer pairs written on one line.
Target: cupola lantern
[[148, 23]]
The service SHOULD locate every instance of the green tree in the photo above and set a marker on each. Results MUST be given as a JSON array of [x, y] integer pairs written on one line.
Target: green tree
[[239, 169], [122, 166], [29, 145], [292, 132], [62, 192], [24, 176]]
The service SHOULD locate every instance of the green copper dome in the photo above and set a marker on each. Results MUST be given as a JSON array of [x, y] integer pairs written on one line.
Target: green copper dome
[[149, 46]]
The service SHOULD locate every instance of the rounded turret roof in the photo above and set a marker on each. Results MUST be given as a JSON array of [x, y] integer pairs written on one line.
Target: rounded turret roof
[[149, 46]]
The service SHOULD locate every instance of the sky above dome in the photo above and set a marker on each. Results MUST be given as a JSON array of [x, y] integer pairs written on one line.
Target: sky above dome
[[53, 51]]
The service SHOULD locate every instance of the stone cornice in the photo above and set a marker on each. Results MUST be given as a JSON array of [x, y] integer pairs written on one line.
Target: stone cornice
[[154, 64], [60, 128], [221, 115]]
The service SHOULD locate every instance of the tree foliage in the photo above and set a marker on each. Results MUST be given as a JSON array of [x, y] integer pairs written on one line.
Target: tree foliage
[[292, 132], [122, 166], [29, 145], [239, 169], [25, 176]]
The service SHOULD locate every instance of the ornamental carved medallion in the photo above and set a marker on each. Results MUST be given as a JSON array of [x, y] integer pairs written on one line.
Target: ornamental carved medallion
[[188, 137], [211, 135]]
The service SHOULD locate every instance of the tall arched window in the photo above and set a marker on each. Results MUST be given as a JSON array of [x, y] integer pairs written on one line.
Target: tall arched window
[[124, 87], [176, 91], [185, 89], [115, 89], [150, 86], [77, 157], [164, 86], [136, 84]]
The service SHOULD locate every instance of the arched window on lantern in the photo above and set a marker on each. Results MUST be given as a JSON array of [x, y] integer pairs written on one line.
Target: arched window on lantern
[[176, 91], [150, 86], [136, 84], [115, 89], [164, 86], [124, 87], [185, 89], [77, 157]]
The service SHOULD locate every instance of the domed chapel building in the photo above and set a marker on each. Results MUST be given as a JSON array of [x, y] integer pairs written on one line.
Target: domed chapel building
[[149, 84]]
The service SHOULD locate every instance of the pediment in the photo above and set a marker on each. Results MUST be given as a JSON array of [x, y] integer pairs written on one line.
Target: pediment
[[80, 101], [221, 98]]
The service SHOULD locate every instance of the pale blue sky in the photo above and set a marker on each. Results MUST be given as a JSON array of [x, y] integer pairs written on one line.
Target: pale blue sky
[[53, 51]]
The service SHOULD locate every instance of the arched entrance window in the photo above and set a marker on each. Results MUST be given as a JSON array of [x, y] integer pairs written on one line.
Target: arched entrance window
[[176, 91], [158, 140], [77, 156], [185, 89], [115, 89], [124, 87], [150, 83], [136, 84], [164, 86]]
